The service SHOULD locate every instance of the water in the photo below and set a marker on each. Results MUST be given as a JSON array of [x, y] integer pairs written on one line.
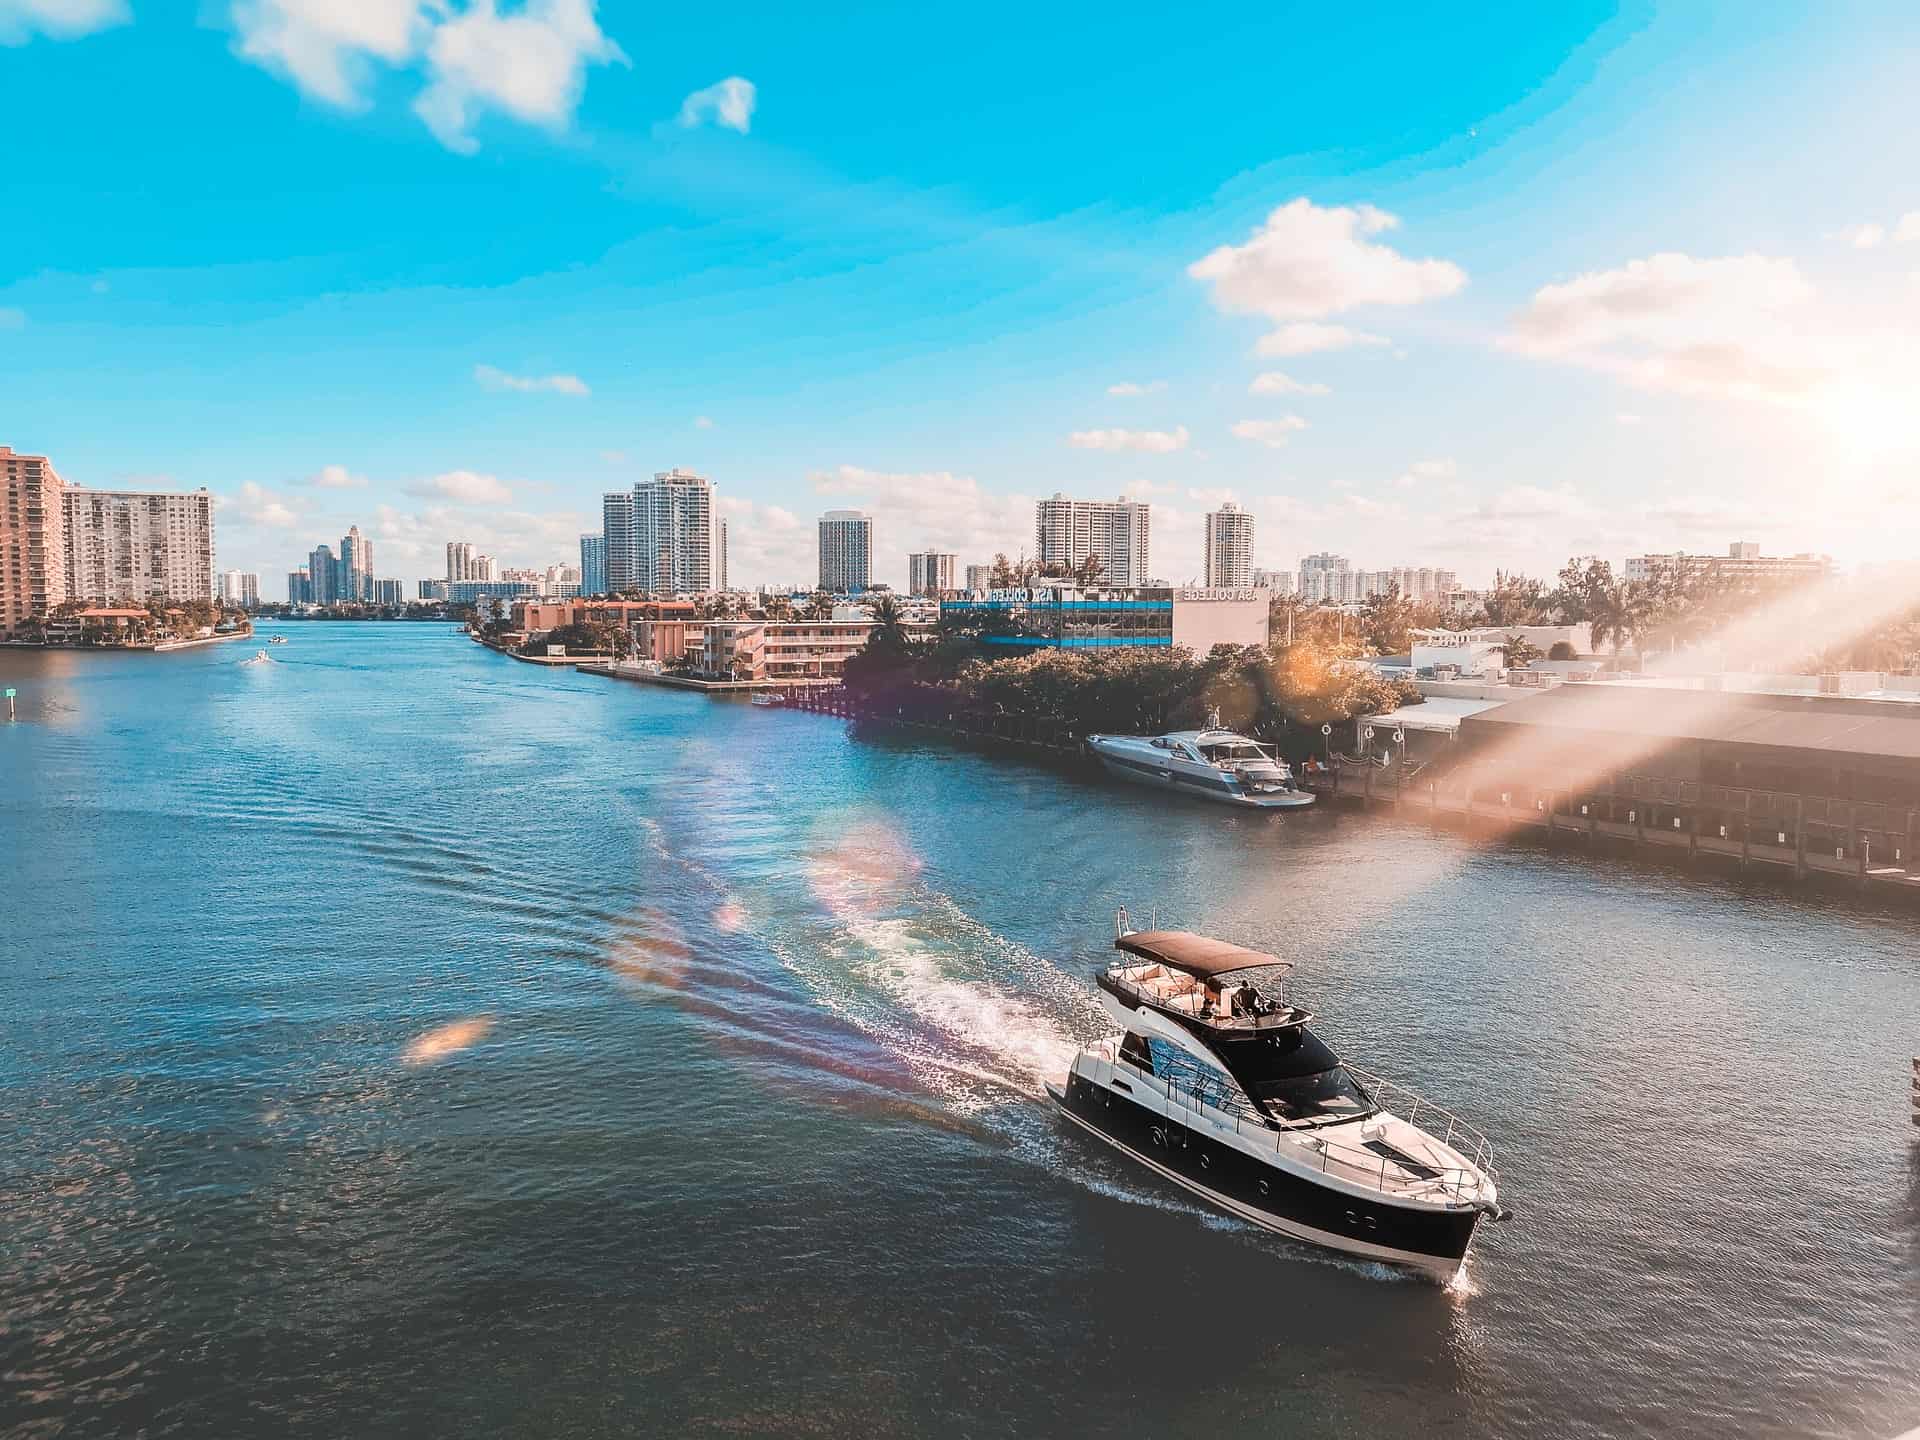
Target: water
[[395, 1039]]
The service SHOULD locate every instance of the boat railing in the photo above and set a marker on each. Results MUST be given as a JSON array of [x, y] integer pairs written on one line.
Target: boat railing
[[1409, 1105], [1458, 1184]]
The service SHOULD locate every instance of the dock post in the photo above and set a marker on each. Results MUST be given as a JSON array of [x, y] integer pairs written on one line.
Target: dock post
[[1799, 837]]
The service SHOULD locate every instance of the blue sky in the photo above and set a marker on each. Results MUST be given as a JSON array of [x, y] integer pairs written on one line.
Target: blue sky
[[1530, 280]]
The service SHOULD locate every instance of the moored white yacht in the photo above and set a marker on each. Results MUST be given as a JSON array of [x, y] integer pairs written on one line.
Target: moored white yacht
[[1214, 764], [1218, 1084]]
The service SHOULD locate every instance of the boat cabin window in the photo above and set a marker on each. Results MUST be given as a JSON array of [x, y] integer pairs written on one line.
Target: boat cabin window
[[1295, 1075], [1190, 1073], [1133, 1050], [1239, 752]]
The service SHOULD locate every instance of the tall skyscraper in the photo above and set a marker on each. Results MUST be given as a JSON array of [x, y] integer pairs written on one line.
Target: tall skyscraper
[[459, 560], [389, 592], [593, 564], [930, 572], [323, 576], [660, 539], [483, 569], [299, 587], [979, 577], [33, 551], [240, 587], [356, 566], [1067, 531], [138, 545], [1229, 547], [846, 551], [720, 556]]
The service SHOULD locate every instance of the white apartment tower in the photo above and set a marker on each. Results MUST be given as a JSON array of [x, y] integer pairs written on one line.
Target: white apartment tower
[[240, 587], [979, 577], [1067, 531], [138, 545], [1229, 548], [846, 552], [930, 572], [1326, 578], [661, 538], [459, 561]]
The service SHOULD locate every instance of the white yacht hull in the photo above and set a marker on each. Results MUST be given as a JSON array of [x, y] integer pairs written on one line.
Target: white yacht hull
[[1165, 773]]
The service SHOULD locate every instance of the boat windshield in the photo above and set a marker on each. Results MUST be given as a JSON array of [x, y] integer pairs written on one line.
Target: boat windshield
[[1328, 1096], [1234, 752]]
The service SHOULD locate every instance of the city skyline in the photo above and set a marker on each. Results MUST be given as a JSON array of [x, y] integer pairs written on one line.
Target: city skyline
[[1480, 325]]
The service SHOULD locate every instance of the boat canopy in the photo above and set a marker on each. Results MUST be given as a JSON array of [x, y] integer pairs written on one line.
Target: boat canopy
[[1196, 954]]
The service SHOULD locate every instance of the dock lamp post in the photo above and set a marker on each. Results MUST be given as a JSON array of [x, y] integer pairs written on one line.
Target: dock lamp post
[[1326, 738], [11, 692]]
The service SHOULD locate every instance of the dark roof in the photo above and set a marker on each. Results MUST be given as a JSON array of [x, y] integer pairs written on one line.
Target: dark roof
[[1642, 713], [1195, 954]]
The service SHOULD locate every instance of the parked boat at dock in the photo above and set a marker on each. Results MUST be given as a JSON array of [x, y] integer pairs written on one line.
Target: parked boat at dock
[[1214, 764], [1217, 1084]]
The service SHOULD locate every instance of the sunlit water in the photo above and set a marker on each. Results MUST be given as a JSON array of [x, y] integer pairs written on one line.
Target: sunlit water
[[395, 1039]]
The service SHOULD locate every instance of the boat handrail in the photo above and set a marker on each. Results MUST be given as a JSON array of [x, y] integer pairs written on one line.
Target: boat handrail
[[1382, 1089]]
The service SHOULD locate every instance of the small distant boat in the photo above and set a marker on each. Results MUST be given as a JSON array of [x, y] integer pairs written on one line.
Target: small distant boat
[[260, 657], [769, 697], [1214, 764], [278, 640]]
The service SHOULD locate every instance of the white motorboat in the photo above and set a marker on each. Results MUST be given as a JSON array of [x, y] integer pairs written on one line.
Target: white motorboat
[[1214, 764], [1217, 1084], [769, 697]]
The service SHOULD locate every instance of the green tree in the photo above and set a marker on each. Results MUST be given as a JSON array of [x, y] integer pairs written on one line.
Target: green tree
[[1521, 652]]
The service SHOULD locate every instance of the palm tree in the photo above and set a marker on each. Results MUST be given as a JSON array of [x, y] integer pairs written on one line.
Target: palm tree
[[889, 626], [1614, 613], [820, 606]]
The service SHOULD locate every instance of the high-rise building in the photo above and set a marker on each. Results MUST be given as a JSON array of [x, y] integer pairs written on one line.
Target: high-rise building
[[593, 564], [138, 545], [240, 587], [846, 552], [459, 560], [660, 539], [979, 577], [389, 592], [1229, 547], [485, 569], [356, 566], [720, 556], [323, 576], [33, 550], [1067, 531], [299, 587], [1280, 582], [1326, 578], [930, 572]]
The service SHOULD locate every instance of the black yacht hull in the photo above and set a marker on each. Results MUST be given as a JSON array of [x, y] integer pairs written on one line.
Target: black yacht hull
[[1434, 1241]]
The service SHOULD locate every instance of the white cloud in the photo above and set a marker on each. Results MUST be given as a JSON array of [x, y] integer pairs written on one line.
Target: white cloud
[[468, 487], [336, 477], [12, 318], [1308, 337], [493, 379], [1275, 382], [259, 506], [530, 63], [324, 46], [20, 20], [729, 102], [1151, 441], [1627, 417], [1130, 388], [1422, 471], [1672, 322], [1272, 433], [1310, 261], [1908, 229], [703, 422], [1869, 236]]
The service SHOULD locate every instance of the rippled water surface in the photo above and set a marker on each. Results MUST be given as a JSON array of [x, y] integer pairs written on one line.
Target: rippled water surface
[[395, 1039]]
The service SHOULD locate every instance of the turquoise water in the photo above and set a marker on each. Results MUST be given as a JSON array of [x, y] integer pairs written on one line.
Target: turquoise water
[[395, 1039]]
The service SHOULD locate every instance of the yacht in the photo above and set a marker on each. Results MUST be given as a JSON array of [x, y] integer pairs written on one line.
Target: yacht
[[1215, 764], [769, 697], [1217, 1083]]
